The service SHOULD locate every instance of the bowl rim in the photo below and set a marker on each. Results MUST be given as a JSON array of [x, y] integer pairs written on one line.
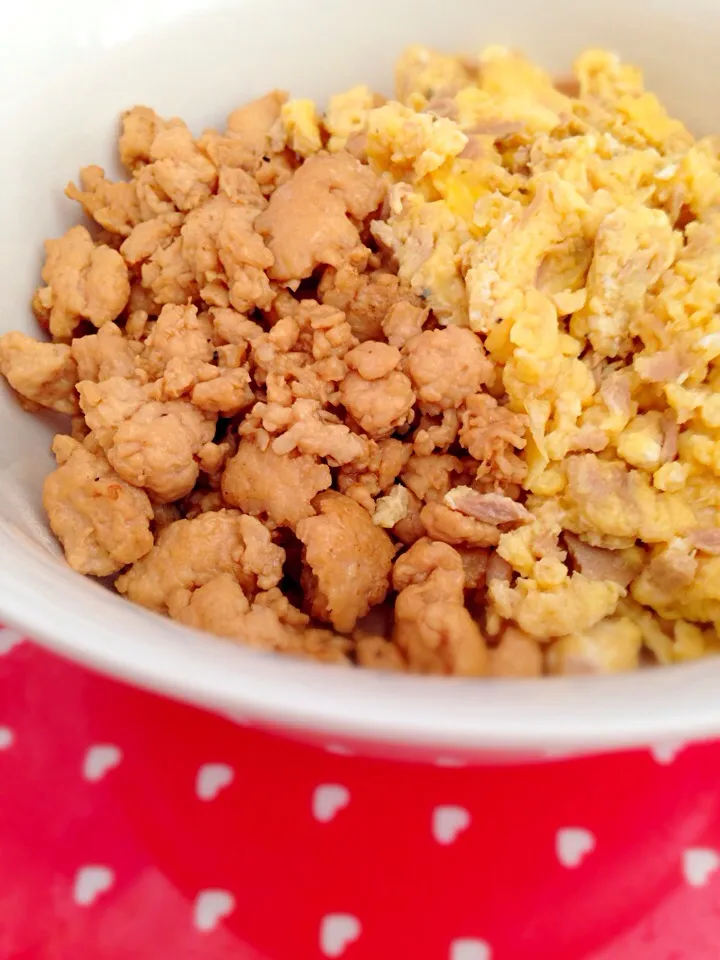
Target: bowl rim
[[52, 604], [552, 714]]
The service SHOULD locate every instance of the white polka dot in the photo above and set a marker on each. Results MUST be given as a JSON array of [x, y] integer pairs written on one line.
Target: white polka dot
[[9, 639], [90, 883], [212, 906], [99, 759], [699, 864], [448, 822], [468, 948], [572, 845], [337, 932], [212, 778], [665, 753], [7, 738], [340, 750], [329, 799]]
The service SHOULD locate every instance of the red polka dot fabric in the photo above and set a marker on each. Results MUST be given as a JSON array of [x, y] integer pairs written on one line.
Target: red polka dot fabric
[[133, 827]]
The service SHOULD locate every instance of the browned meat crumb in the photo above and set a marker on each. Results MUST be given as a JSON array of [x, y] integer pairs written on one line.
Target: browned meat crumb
[[516, 655], [150, 443], [232, 327], [84, 282], [105, 354], [157, 448], [373, 360], [433, 628], [379, 406], [491, 434], [379, 471], [308, 220], [378, 653], [278, 487], [114, 206], [226, 255], [101, 521], [431, 477], [44, 373], [446, 367], [190, 553], [248, 142], [218, 605], [147, 237], [402, 322], [368, 299], [140, 126], [347, 561], [178, 348], [227, 395], [286, 613], [450, 526], [221, 607], [309, 430], [179, 174], [436, 433], [411, 527]]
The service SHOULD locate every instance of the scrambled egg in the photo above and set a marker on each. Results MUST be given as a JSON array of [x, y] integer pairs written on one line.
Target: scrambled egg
[[577, 232]]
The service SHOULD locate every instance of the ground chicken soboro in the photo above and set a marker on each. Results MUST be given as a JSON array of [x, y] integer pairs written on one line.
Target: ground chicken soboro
[[428, 384]]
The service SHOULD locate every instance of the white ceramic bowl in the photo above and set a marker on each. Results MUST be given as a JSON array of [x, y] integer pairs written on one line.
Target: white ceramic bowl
[[66, 71]]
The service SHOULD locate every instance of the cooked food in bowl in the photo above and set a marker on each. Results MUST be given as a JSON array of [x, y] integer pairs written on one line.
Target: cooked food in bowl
[[426, 384]]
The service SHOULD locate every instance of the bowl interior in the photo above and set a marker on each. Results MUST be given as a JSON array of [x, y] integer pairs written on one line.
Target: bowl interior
[[199, 59]]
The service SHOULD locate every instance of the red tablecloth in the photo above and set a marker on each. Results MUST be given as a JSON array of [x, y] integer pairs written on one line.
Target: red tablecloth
[[136, 828]]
